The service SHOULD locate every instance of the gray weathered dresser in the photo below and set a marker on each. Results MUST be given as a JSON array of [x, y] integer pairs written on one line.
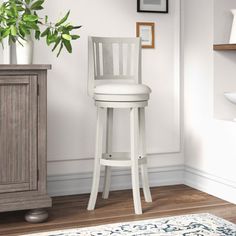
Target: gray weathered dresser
[[23, 155]]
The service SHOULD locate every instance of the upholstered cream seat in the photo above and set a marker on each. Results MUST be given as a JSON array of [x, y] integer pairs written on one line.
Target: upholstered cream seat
[[122, 92]]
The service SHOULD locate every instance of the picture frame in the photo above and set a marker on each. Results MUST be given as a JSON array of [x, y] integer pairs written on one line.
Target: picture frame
[[153, 6], [146, 31]]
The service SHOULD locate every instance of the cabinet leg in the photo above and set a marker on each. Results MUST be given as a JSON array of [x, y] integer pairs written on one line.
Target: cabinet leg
[[36, 216]]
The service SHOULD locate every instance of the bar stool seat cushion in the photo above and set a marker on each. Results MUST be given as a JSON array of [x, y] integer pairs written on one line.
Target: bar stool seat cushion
[[122, 92]]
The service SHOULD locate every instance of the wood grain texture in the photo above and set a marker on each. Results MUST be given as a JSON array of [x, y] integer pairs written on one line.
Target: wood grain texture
[[42, 132], [224, 47], [23, 137], [33, 132], [70, 211], [25, 67], [15, 129]]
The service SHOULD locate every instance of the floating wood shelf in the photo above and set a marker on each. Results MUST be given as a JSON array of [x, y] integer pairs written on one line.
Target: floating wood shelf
[[224, 47]]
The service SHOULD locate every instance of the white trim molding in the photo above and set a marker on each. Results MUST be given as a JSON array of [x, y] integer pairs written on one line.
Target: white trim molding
[[79, 183], [211, 184], [68, 184]]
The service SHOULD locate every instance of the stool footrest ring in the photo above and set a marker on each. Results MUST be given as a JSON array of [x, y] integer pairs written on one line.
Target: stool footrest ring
[[118, 162]]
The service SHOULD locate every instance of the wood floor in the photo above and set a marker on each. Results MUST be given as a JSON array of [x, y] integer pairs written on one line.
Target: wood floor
[[70, 211]]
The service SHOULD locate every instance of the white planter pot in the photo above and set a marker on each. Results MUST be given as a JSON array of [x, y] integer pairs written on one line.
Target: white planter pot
[[7, 52], [233, 30], [24, 51]]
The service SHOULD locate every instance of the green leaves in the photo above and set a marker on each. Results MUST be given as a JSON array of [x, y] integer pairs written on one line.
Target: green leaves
[[19, 18], [58, 40], [13, 30], [46, 32], [24, 28], [6, 32], [74, 37], [46, 19], [60, 34], [67, 45], [27, 2], [37, 5], [30, 18], [59, 52], [37, 34], [63, 20], [66, 37]]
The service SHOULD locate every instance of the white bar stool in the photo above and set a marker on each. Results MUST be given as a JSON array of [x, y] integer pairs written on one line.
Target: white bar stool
[[115, 82]]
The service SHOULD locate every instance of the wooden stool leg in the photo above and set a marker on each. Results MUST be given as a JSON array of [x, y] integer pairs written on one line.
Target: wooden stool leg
[[98, 156], [134, 159], [142, 145], [107, 176]]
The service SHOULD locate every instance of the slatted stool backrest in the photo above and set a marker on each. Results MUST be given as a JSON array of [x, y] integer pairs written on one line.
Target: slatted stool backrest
[[113, 60]]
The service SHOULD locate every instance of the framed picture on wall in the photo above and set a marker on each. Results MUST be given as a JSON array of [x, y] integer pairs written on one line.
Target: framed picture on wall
[[146, 31], [159, 6]]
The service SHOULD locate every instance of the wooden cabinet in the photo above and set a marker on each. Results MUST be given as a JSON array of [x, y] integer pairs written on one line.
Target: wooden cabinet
[[23, 120]]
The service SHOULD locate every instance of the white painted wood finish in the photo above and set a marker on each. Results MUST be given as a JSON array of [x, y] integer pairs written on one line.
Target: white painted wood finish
[[134, 159], [143, 155], [61, 185], [114, 60], [98, 156], [107, 179]]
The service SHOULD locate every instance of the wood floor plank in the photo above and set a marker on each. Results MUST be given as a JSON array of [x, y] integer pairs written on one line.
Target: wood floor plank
[[70, 211]]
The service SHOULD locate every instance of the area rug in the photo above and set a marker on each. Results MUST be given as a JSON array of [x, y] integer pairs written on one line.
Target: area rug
[[187, 225]]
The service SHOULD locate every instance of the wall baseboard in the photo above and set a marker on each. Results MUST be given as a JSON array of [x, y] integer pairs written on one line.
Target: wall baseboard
[[210, 184], [59, 185]]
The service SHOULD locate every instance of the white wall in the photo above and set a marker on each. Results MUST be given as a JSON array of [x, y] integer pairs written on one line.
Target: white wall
[[224, 62], [72, 114], [210, 148]]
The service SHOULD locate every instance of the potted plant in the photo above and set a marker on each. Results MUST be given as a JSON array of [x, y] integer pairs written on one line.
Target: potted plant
[[20, 23]]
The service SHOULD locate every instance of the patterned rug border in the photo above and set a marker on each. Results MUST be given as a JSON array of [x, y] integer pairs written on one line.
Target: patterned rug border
[[135, 222]]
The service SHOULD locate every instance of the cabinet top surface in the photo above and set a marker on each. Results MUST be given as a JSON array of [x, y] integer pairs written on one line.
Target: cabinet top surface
[[25, 67]]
